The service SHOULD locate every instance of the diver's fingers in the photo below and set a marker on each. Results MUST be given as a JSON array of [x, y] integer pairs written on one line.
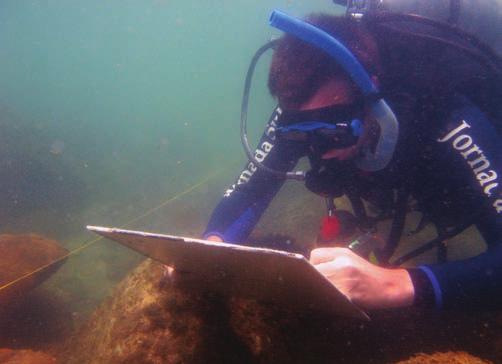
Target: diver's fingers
[[173, 276], [323, 255], [214, 238], [184, 280], [167, 271]]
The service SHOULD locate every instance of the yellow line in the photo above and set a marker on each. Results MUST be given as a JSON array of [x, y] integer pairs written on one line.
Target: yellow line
[[187, 191], [73, 252], [88, 244]]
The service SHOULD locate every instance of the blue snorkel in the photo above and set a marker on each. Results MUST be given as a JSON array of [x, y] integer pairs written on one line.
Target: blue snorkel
[[380, 111], [319, 38]]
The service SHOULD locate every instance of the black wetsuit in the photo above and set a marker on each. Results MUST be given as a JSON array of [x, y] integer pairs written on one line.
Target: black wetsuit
[[449, 157]]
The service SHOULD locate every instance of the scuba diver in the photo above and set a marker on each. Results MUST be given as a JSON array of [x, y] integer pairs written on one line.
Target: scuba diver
[[391, 108]]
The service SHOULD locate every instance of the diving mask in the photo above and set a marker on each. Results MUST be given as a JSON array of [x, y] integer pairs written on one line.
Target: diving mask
[[321, 129]]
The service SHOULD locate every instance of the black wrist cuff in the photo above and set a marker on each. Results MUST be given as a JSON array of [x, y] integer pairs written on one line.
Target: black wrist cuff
[[424, 292]]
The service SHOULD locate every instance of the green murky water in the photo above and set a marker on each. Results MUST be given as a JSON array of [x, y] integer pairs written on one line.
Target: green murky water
[[110, 113], [109, 109]]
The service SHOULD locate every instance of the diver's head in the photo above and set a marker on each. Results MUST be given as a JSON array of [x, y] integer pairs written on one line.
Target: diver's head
[[314, 72], [299, 69], [314, 91]]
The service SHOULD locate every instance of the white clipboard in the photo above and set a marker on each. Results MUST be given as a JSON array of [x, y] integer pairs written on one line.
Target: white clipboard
[[267, 275]]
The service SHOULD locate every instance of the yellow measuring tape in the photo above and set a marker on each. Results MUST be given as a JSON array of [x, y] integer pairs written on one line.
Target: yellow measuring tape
[[89, 243]]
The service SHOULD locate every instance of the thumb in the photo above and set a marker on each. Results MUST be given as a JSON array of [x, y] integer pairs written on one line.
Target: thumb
[[323, 255]]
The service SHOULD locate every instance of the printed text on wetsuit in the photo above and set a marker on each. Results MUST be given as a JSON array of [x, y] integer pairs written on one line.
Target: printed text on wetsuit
[[476, 159]]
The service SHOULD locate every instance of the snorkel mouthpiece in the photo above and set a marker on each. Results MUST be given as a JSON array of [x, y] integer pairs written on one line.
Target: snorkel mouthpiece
[[380, 111]]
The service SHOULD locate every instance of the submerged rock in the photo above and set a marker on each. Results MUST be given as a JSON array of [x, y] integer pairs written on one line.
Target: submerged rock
[[450, 357], [143, 323], [148, 320], [8, 356], [21, 255]]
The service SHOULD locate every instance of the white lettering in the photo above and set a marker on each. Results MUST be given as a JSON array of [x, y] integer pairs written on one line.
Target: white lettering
[[484, 178], [260, 155], [462, 142], [244, 177], [480, 165], [488, 189], [229, 191], [474, 149], [498, 205], [485, 164], [270, 132], [267, 147], [454, 131]]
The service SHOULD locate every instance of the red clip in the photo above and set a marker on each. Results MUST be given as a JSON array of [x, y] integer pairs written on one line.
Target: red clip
[[330, 228]]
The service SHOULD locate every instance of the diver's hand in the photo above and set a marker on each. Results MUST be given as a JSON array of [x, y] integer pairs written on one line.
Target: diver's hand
[[214, 238], [365, 284], [170, 274]]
